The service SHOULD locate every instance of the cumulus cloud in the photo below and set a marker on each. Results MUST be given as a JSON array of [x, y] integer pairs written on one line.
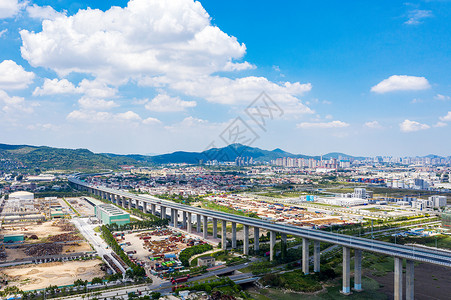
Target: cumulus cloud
[[43, 12], [440, 124], [416, 16], [401, 83], [54, 87], [373, 125], [96, 104], [151, 121], [92, 116], [3, 32], [13, 104], [165, 103], [91, 88], [446, 118], [411, 126], [146, 37], [10, 8], [13, 76], [332, 124], [442, 97]]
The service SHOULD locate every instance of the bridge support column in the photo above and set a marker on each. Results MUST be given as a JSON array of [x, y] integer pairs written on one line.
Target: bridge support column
[[272, 243], [145, 207], [129, 203], [246, 240], [163, 212], [215, 228], [409, 280], [205, 227], [283, 245], [153, 209], [224, 235], [256, 239], [124, 204], [198, 223], [305, 256], [175, 220], [316, 256], [346, 271], [358, 270], [184, 219], [398, 278], [233, 235], [189, 226]]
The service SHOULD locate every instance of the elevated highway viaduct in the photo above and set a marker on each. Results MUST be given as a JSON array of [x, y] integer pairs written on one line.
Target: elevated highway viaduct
[[399, 252]]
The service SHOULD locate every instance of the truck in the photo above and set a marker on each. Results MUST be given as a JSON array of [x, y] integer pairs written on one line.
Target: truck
[[180, 279]]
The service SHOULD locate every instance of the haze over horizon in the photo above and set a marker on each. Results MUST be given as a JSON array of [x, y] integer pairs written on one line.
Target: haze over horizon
[[154, 76]]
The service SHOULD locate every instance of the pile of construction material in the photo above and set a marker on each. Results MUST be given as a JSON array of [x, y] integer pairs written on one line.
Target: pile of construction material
[[44, 249], [64, 237], [64, 225]]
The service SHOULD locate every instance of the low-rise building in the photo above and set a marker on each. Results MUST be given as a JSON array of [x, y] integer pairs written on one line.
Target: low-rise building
[[207, 261]]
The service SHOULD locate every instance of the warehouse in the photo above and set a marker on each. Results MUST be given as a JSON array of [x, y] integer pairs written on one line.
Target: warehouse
[[108, 214]]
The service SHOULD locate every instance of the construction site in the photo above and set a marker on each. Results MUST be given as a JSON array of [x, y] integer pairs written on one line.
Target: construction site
[[157, 250]]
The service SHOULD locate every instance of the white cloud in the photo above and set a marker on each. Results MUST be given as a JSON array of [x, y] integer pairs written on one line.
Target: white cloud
[[92, 116], [13, 76], [417, 15], [9, 8], [14, 104], [54, 87], [332, 124], [3, 32], [43, 12], [90, 88], [96, 104], [165, 103], [401, 83], [373, 125], [411, 126], [446, 118], [440, 124], [151, 121], [245, 90], [442, 97], [150, 37]]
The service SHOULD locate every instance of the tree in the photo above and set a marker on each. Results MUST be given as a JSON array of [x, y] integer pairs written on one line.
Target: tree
[[155, 295], [96, 280]]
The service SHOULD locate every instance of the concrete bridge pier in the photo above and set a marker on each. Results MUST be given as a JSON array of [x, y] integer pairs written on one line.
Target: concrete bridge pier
[[189, 226], [316, 256], [129, 203], [163, 212], [283, 244], [305, 256], [224, 235], [398, 279], [175, 220], [145, 207], [346, 271], [358, 270], [198, 223], [153, 209], [205, 227], [215, 228], [272, 243], [410, 280], [256, 239], [184, 219], [246, 240], [233, 235]]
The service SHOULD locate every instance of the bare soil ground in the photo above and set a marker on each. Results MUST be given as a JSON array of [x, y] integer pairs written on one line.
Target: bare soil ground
[[431, 282], [40, 230], [31, 277]]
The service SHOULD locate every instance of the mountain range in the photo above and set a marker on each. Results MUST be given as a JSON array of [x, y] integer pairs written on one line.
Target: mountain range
[[43, 157]]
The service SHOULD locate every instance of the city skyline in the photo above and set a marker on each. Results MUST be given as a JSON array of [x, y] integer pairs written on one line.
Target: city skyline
[[146, 77]]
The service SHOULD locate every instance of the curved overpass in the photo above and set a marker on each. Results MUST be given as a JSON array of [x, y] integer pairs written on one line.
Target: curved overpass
[[410, 253]]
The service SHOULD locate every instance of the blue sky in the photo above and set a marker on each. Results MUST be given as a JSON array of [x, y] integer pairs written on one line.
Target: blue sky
[[155, 76]]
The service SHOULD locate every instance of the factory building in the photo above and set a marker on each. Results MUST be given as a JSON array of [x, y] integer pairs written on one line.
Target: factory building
[[21, 195], [108, 214]]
